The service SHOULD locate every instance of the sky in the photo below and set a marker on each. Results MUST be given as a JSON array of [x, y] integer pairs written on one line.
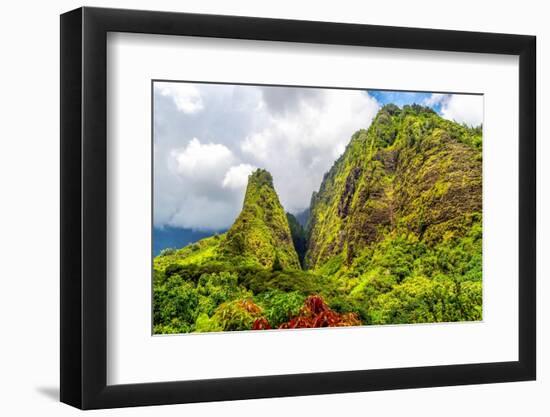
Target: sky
[[209, 137]]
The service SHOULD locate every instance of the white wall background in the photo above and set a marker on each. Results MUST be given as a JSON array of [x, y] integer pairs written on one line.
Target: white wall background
[[29, 220]]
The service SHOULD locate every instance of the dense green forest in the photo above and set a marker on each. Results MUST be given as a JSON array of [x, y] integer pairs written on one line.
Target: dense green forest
[[393, 235]]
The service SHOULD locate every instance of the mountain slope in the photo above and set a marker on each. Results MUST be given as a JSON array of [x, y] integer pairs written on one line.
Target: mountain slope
[[393, 236], [411, 171], [261, 231]]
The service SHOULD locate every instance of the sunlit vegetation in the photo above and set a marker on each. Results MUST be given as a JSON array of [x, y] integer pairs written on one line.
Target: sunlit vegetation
[[394, 236]]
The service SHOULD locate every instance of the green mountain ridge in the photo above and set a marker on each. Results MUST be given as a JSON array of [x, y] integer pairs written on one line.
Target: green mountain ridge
[[393, 235], [261, 231], [411, 171]]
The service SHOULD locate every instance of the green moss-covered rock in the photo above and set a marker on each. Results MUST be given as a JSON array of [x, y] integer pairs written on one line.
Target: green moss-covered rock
[[393, 235], [259, 237], [261, 231], [411, 171]]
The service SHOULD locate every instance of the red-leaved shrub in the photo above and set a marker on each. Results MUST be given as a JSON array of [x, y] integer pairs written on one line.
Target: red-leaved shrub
[[316, 313], [261, 324]]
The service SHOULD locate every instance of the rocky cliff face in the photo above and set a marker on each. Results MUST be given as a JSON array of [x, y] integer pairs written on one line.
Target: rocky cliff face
[[410, 171], [261, 231]]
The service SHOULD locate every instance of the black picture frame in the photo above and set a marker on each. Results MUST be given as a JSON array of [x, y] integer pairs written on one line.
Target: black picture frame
[[84, 207]]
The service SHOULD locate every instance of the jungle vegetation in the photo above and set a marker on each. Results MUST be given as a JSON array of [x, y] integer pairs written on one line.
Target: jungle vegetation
[[393, 236]]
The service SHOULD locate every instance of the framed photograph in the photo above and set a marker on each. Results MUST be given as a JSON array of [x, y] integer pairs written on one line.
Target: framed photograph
[[256, 208]]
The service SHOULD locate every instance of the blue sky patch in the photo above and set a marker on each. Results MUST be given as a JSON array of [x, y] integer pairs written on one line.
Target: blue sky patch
[[401, 98]]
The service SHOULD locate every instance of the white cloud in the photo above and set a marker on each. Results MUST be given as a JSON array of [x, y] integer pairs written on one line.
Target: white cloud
[[205, 213], [435, 99], [237, 176], [208, 138], [463, 108], [198, 159], [304, 136], [187, 97], [189, 189], [257, 145], [202, 162]]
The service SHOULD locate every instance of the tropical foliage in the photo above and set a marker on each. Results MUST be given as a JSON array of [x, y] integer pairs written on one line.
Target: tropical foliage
[[393, 236]]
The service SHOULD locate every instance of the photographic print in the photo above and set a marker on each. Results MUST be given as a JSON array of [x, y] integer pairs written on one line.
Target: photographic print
[[283, 207]]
